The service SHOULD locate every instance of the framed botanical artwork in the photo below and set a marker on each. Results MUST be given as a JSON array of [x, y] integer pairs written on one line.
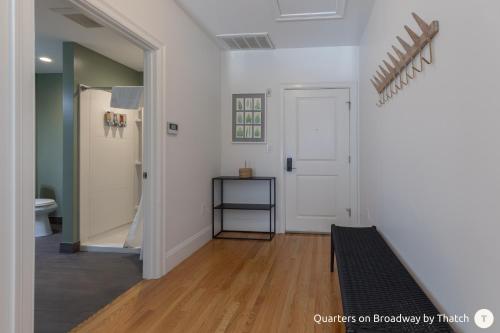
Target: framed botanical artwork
[[249, 118]]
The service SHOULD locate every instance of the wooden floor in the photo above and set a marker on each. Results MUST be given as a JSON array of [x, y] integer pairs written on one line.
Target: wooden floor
[[233, 286]]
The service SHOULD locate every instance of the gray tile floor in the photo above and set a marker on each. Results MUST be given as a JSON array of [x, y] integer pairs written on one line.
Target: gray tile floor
[[69, 288]]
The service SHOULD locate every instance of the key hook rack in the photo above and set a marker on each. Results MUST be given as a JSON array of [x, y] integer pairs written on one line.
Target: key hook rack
[[405, 65]]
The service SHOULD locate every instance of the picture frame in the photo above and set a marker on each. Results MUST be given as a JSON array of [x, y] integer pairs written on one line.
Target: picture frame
[[249, 118]]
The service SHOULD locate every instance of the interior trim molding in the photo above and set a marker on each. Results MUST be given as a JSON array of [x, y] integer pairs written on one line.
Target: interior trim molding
[[154, 106], [21, 61], [183, 250], [22, 77]]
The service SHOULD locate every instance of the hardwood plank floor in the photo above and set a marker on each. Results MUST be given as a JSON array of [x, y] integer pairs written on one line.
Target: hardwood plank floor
[[233, 286]]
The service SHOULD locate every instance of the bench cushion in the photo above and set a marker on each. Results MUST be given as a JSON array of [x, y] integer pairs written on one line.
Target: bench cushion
[[374, 282]]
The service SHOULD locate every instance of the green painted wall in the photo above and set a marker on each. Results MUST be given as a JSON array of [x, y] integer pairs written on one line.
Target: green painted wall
[[49, 138], [83, 66]]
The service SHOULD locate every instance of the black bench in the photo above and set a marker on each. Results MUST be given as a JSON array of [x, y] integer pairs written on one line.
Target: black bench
[[374, 282]]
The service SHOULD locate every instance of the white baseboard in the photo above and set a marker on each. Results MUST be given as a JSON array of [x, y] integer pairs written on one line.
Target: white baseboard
[[183, 250]]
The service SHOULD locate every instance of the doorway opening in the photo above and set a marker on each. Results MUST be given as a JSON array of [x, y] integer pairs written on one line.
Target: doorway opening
[[86, 63], [110, 168]]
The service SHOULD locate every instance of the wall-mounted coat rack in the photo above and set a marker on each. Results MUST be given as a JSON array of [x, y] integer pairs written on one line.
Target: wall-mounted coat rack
[[405, 67]]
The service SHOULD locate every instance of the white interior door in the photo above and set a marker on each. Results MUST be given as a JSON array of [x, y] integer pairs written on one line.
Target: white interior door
[[109, 176], [317, 190]]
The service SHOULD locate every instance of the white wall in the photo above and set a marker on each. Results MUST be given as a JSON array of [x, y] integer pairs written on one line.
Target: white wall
[[193, 95], [254, 72], [430, 159]]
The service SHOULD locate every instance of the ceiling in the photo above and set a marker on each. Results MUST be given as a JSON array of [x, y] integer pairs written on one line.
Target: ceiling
[[290, 23], [52, 28]]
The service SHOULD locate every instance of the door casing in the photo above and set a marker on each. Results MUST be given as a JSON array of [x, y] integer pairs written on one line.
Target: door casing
[[22, 73]]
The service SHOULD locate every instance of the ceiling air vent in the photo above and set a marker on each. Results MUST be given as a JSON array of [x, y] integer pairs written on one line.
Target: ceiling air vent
[[254, 41], [74, 15], [83, 20]]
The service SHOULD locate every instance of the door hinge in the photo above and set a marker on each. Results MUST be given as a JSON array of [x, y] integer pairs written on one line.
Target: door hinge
[[349, 105], [349, 159], [349, 211]]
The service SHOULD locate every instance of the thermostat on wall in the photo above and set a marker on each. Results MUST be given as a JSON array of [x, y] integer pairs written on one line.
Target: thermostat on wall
[[172, 128]]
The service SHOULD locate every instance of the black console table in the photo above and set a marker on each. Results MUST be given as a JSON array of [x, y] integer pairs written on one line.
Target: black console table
[[270, 207]]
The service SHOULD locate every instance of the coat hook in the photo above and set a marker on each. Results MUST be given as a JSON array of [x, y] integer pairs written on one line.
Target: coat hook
[[413, 35], [405, 45], [427, 61], [388, 93], [424, 26], [421, 64], [400, 54], [402, 61], [393, 77], [402, 82], [380, 100], [397, 69], [382, 78]]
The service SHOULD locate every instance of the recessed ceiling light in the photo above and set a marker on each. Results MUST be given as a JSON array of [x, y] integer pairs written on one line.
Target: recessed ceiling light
[[45, 59]]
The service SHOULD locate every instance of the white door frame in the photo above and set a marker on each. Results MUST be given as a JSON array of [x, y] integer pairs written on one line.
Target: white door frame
[[22, 74], [353, 139]]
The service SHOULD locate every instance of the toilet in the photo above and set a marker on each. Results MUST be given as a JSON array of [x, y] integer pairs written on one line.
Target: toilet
[[43, 207]]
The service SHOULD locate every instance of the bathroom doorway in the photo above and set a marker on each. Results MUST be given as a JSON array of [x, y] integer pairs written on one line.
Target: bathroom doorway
[[20, 28], [92, 156], [110, 162]]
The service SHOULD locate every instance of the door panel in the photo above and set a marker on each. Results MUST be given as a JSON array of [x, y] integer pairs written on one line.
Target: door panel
[[320, 204], [315, 129], [317, 190]]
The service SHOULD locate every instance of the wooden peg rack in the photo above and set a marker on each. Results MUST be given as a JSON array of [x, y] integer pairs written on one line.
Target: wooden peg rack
[[405, 65]]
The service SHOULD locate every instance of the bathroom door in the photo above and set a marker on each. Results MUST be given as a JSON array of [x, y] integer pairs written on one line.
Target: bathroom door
[[109, 167]]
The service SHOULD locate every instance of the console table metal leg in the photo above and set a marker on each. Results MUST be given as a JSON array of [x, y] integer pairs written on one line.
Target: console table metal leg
[[270, 209], [222, 203], [213, 209], [274, 181]]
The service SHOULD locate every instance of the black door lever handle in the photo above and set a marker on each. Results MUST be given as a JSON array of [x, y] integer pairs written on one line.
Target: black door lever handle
[[289, 164]]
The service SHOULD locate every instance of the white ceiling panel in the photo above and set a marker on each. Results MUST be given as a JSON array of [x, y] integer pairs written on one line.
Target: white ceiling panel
[[306, 7], [297, 10], [290, 23]]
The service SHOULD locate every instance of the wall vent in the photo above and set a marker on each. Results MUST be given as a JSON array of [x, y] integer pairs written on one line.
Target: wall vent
[[252, 41], [74, 15]]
